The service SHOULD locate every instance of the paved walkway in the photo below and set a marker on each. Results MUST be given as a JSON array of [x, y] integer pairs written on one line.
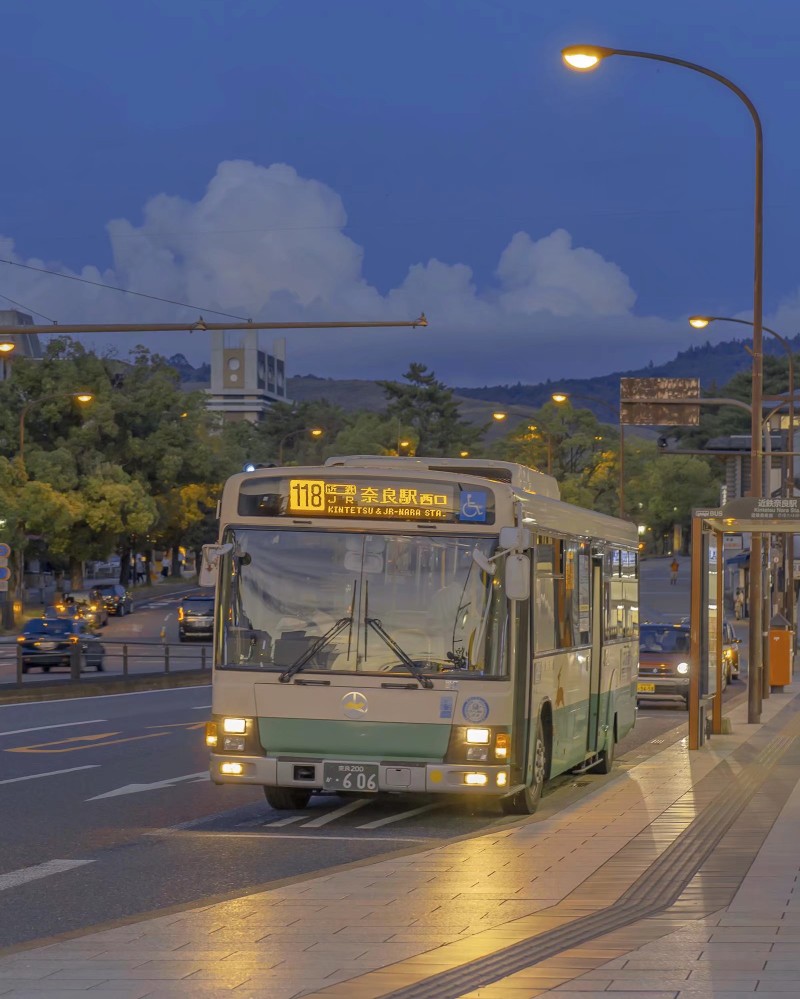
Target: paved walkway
[[647, 886]]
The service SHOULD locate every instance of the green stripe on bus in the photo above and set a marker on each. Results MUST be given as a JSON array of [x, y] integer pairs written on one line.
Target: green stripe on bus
[[353, 740]]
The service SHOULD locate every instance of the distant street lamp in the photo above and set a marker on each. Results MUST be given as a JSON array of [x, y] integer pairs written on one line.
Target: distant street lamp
[[587, 57], [314, 431], [499, 416], [6, 346], [559, 397], [82, 397]]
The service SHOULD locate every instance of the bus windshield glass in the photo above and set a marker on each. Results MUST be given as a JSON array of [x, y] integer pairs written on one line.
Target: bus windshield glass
[[363, 603]]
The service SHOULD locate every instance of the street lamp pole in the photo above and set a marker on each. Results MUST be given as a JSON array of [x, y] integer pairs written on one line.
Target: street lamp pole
[[587, 57], [699, 323], [558, 397], [314, 431]]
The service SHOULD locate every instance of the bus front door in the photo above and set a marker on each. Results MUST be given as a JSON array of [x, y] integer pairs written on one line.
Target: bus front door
[[595, 680]]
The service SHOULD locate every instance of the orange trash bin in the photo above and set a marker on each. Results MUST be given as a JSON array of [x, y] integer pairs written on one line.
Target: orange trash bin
[[780, 657]]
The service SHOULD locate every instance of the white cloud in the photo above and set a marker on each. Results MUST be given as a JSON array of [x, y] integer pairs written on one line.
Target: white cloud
[[265, 243]]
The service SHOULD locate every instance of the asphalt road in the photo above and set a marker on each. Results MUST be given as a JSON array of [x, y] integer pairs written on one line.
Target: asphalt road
[[108, 811]]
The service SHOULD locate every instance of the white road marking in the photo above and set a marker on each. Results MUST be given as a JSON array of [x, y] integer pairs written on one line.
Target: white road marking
[[41, 728], [337, 813], [50, 773], [203, 707], [401, 815], [130, 693], [155, 786], [285, 822], [16, 878]]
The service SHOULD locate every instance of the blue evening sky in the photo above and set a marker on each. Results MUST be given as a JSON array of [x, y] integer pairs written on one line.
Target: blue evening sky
[[417, 132]]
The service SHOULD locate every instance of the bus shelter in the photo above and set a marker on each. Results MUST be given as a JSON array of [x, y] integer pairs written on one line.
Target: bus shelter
[[748, 514]]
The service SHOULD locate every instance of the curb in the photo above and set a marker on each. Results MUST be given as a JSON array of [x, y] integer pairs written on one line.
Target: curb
[[64, 689]]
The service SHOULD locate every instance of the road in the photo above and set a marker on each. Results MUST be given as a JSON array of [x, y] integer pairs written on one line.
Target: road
[[112, 813], [141, 638]]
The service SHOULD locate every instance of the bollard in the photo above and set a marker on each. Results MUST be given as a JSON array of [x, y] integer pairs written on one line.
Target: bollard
[[19, 666], [125, 660], [203, 657], [75, 662], [166, 659]]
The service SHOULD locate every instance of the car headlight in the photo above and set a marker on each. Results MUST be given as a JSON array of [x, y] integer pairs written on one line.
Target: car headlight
[[683, 668]]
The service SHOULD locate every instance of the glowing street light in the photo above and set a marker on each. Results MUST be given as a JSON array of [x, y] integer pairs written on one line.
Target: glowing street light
[[82, 397], [314, 431], [499, 416], [584, 57]]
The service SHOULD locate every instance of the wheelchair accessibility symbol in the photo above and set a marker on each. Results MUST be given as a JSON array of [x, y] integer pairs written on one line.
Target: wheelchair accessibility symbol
[[473, 507]]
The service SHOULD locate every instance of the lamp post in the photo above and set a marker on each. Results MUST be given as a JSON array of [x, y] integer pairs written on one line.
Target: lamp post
[[700, 323], [82, 397], [314, 431], [560, 397], [588, 57]]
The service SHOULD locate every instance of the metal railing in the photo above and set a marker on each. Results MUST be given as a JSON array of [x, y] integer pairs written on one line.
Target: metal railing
[[112, 658]]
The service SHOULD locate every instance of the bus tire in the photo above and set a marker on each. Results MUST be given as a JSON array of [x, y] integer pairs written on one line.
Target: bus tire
[[286, 798], [526, 801], [606, 762]]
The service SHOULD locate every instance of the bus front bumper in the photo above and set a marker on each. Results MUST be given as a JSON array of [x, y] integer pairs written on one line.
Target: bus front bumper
[[361, 776]]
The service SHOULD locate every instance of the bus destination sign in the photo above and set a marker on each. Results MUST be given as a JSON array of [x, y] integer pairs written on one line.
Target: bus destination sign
[[379, 499]]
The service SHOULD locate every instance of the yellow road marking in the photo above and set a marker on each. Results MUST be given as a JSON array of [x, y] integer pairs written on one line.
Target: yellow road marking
[[89, 742]]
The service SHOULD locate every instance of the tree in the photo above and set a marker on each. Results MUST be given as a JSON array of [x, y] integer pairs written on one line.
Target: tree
[[429, 408]]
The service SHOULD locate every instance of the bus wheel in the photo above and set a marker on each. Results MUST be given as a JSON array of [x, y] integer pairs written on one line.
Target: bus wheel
[[526, 801], [606, 761], [283, 798]]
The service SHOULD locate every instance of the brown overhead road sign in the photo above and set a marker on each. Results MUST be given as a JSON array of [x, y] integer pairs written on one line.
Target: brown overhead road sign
[[659, 402]]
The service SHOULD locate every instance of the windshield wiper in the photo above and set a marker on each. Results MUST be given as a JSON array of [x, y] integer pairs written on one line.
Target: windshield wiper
[[413, 668], [315, 647]]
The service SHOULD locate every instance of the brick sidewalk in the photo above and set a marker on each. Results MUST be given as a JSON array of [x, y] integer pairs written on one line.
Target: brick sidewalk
[[515, 905]]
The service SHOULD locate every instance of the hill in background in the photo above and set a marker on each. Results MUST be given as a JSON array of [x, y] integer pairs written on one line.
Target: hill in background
[[714, 364]]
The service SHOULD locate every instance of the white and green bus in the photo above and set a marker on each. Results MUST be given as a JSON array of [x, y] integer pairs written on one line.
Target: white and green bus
[[420, 625]]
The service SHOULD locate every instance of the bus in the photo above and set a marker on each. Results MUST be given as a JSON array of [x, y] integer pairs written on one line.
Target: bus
[[419, 625]]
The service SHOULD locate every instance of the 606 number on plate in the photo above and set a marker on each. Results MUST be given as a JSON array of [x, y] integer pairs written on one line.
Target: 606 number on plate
[[351, 777]]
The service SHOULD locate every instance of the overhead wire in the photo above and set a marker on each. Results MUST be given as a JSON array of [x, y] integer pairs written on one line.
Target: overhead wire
[[27, 308], [124, 291]]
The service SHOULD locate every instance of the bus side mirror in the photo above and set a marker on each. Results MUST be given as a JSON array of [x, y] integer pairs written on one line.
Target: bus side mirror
[[209, 562], [518, 577]]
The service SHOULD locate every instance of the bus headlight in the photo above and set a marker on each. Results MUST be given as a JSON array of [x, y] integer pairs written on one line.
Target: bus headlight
[[234, 726], [682, 668], [477, 754], [477, 780], [211, 734], [502, 746], [233, 743], [235, 769], [478, 736]]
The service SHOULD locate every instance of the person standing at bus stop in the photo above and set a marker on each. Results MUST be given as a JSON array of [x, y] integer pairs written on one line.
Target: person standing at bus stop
[[673, 572]]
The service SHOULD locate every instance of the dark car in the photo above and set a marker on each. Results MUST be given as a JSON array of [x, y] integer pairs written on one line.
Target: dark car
[[116, 598], [663, 663], [90, 604], [196, 618], [48, 642]]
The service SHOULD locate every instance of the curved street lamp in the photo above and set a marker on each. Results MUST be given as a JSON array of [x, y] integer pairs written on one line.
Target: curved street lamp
[[588, 57], [314, 431], [82, 397], [700, 323]]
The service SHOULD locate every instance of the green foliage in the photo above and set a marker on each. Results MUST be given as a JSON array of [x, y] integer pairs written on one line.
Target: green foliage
[[428, 408]]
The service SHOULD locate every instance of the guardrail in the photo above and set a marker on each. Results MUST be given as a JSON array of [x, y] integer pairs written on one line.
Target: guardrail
[[122, 659]]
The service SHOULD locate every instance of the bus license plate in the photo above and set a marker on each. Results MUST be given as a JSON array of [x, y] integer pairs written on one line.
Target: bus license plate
[[645, 688], [350, 777]]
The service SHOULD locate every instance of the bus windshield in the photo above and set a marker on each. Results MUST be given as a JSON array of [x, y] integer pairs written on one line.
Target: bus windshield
[[366, 603]]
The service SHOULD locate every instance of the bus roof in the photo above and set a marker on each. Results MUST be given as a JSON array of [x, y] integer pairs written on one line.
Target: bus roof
[[509, 472]]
